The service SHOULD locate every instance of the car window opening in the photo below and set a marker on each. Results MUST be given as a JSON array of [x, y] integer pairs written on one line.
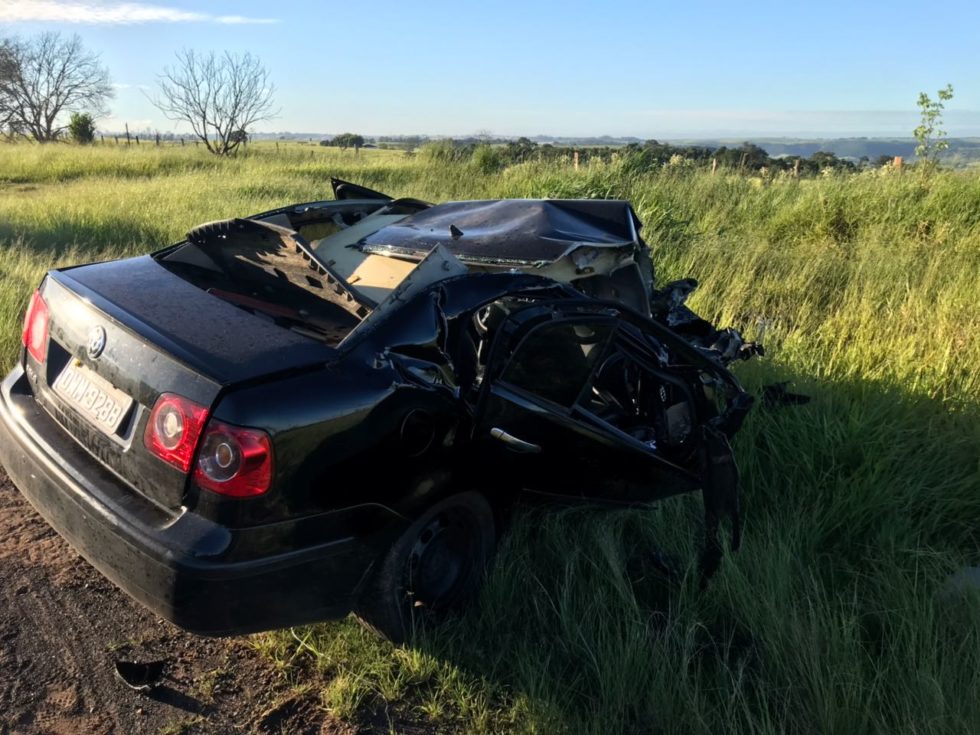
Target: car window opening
[[586, 366]]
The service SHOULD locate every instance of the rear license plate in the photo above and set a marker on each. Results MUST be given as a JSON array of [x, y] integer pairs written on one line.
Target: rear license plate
[[93, 397]]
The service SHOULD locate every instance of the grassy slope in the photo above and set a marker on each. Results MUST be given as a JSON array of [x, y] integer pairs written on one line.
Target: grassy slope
[[866, 291]]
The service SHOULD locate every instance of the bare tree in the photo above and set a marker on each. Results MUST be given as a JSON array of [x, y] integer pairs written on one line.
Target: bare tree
[[219, 96], [8, 70], [44, 78]]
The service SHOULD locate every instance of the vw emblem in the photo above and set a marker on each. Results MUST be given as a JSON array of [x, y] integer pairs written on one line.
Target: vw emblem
[[96, 342]]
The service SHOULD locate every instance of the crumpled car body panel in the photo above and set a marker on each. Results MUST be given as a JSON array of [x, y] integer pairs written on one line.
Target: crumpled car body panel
[[510, 231], [521, 349]]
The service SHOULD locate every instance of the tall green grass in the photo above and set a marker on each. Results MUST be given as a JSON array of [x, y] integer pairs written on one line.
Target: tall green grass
[[865, 289]]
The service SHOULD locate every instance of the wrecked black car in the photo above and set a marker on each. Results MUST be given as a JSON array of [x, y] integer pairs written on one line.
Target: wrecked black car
[[331, 406]]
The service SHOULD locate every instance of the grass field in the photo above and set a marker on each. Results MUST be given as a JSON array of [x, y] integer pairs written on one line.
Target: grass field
[[858, 506]]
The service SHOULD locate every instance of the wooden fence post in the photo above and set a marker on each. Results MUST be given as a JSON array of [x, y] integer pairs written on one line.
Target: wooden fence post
[[897, 163], [575, 160], [714, 166], [127, 133]]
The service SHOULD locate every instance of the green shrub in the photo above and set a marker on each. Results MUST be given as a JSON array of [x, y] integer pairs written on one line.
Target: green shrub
[[486, 159], [81, 127]]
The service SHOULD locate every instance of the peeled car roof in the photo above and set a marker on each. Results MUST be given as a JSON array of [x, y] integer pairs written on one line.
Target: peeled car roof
[[518, 231]]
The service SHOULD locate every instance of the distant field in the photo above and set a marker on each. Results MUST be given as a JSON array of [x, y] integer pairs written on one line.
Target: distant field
[[866, 291]]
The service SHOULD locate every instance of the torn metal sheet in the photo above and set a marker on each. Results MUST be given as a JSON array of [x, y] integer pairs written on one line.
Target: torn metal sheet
[[510, 231]]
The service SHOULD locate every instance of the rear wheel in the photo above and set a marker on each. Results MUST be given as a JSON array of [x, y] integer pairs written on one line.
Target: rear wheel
[[433, 568]]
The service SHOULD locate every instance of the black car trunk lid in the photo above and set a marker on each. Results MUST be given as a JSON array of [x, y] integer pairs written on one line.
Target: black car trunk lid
[[137, 331]]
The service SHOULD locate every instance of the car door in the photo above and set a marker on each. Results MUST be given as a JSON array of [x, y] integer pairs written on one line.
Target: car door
[[562, 386]]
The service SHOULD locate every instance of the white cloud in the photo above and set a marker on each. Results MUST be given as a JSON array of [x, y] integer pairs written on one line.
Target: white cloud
[[78, 11]]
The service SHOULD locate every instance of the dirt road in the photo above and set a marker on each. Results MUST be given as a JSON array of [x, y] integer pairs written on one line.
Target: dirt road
[[62, 626]]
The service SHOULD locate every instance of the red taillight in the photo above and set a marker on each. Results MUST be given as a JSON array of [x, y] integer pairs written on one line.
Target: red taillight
[[35, 335], [173, 429], [234, 461]]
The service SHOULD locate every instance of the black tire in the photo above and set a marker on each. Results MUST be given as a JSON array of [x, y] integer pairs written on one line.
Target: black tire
[[434, 567]]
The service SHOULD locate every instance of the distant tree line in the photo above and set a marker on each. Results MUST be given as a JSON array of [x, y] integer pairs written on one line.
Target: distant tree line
[[638, 157], [344, 141], [746, 157]]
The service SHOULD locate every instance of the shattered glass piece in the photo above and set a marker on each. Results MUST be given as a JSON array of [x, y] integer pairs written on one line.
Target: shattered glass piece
[[140, 677]]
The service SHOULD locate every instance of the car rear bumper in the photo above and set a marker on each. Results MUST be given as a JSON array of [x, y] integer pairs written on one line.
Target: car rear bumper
[[197, 574]]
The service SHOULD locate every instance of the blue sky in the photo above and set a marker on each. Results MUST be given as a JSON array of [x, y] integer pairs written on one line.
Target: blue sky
[[689, 69]]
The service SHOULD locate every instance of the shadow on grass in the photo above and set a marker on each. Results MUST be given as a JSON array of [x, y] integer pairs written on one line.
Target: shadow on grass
[[119, 235], [858, 506]]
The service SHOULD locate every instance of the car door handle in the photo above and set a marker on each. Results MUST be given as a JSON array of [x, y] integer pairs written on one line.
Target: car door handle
[[518, 445]]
